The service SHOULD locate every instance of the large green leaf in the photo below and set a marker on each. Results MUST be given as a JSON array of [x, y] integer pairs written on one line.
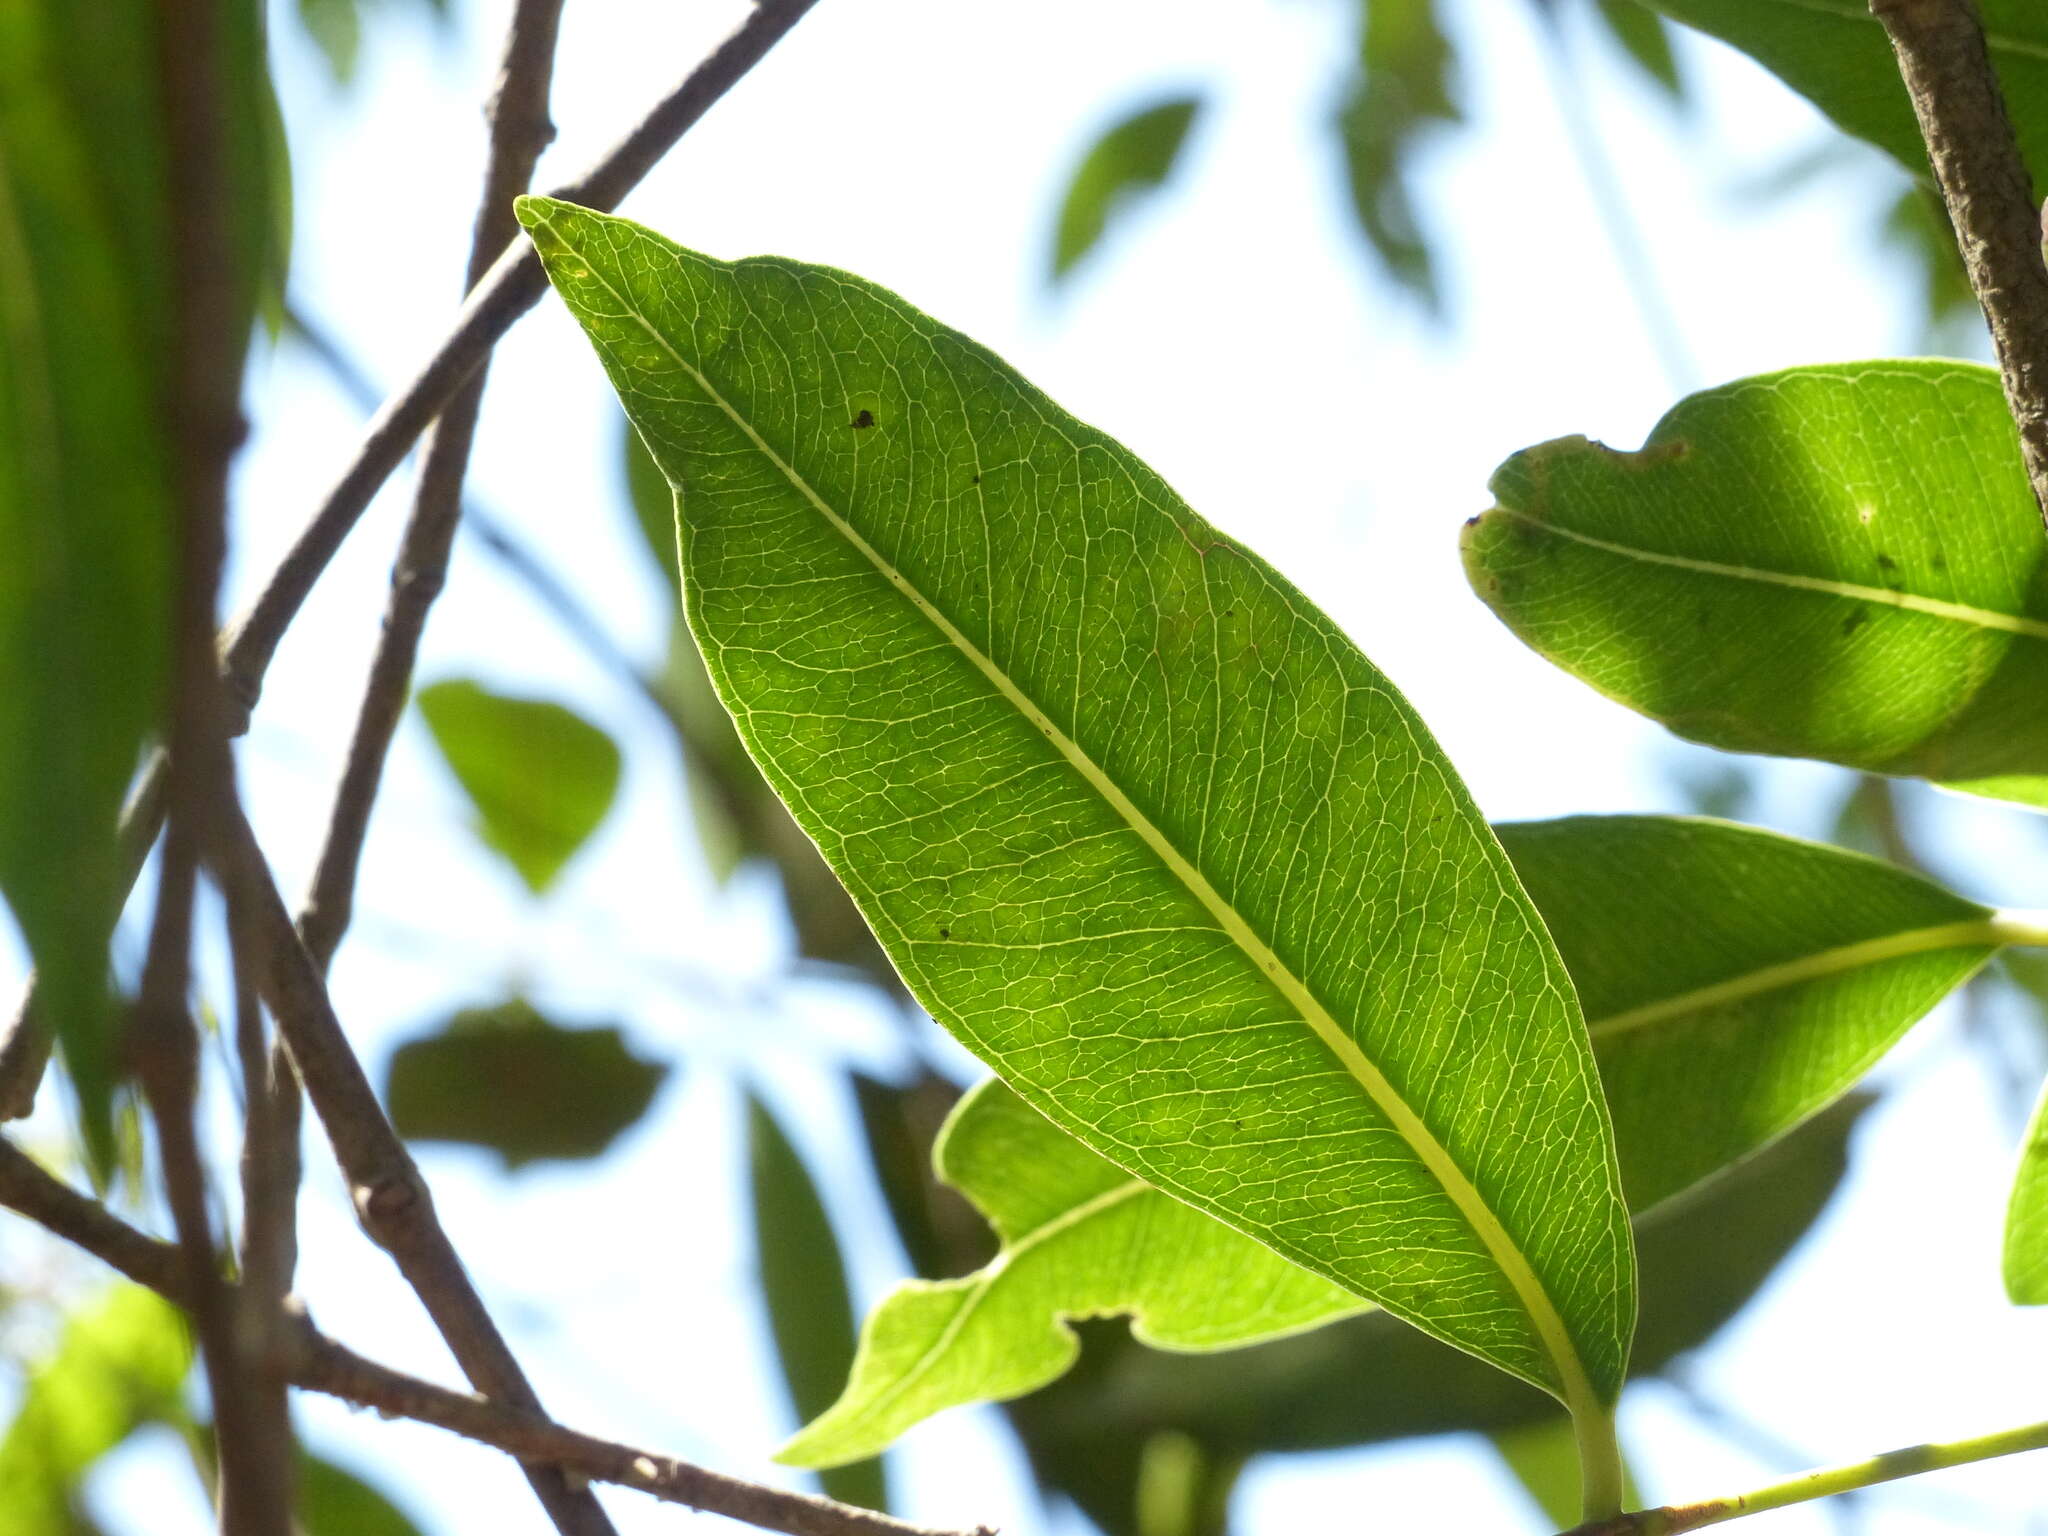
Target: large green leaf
[[119, 1365], [85, 504], [2026, 1218], [1840, 562], [510, 1079], [737, 814], [803, 1281], [1369, 1378], [1081, 1238], [540, 775], [1735, 980], [1130, 815], [1131, 158], [1835, 53]]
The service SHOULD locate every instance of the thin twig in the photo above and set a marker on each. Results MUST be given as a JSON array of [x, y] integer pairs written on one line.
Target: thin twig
[[202, 412], [494, 534], [1822, 1482], [1990, 197], [317, 1363], [519, 131], [512, 287], [390, 1195]]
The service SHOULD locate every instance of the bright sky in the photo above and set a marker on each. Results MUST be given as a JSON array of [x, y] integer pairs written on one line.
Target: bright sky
[[1232, 336]]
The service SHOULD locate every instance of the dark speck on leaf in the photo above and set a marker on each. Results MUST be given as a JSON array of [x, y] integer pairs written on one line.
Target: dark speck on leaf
[[1887, 563], [865, 419], [977, 479], [945, 933], [1855, 621]]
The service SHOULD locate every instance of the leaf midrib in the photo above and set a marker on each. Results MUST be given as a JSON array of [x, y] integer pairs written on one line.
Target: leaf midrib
[[1984, 932], [1911, 602], [1573, 1385]]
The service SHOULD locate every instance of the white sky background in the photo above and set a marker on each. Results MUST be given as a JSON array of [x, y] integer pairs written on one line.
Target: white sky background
[[1233, 336]]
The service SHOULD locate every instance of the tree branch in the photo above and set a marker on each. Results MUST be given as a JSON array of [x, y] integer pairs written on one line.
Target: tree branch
[[202, 412], [519, 131], [511, 287], [1990, 197], [390, 1196], [317, 1363]]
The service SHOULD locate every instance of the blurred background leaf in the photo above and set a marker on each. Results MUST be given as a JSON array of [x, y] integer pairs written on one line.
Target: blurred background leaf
[[1400, 91], [540, 776], [511, 1080], [121, 1363], [1129, 159], [803, 1285]]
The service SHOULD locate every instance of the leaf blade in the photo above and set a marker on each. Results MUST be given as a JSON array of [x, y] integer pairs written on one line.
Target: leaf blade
[[1841, 562], [1081, 1238], [1562, 1318], [1735, 981]]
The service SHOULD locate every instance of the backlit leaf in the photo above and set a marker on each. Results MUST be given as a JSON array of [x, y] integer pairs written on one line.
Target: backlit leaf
[[803, 1282], [85, 501], [1734, 980], [1131, 816], [540, 776], [1841, 562], [1081, 1238], [1130, 160], [1369, 1378], [509, 1079], [1646, 38]]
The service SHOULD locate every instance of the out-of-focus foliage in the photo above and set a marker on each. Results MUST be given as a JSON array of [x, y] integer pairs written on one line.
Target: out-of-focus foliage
[[120, 1364], [336, 28], [1401, 89], [540, 776], [510, 1079], [86, 498], [333, 1501], [1645, 37], [1129, 159], [803, 1283]]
